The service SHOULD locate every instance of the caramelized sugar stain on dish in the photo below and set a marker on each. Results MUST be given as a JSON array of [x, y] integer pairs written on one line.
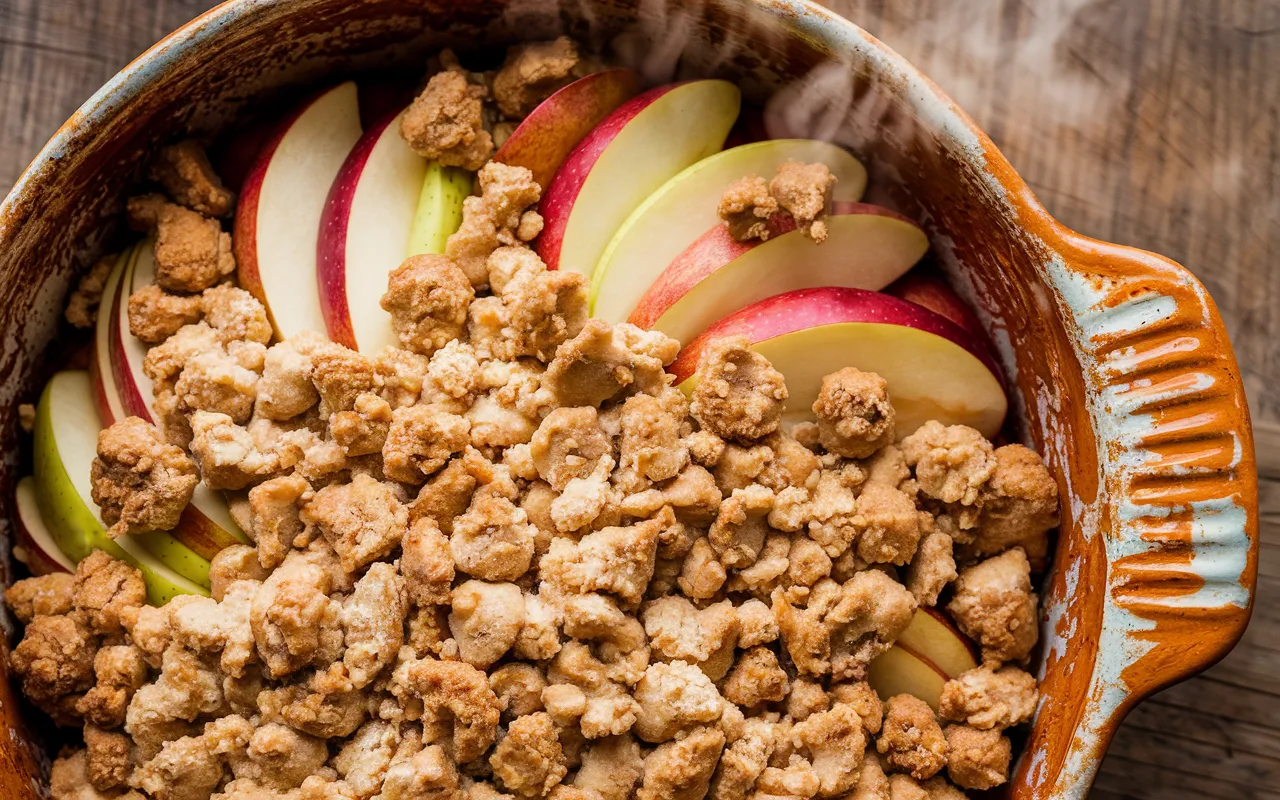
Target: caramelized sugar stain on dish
[[560, 472]]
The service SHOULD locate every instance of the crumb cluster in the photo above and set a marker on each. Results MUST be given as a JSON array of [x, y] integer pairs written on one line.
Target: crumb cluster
[[508, 559], [799, 193]]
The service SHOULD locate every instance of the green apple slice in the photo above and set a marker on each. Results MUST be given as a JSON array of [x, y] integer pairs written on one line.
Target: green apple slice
[[684, 208], [638, 147], [439, 211], [66, 440]]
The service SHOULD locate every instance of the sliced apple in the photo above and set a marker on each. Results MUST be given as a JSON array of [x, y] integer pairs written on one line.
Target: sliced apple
[[925, 287], [932, 637], [364, 234], [899, 671], [935, 370], [929, 653], [624, 159], [125, 351], [439, 208], [683, 210], [66, 439], [277, 220], [206, 526], [867, 247], [545, 138], [36, 547], [106, 394]]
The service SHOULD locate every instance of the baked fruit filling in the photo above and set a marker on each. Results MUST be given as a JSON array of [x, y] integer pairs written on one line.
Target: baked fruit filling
[[409, 490]]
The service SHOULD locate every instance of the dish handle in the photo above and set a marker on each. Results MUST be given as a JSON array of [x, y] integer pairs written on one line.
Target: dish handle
[[1177, 500]]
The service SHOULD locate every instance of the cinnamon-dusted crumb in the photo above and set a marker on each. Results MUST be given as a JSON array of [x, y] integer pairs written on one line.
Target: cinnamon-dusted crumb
[[952, 464], [427, 297], [567, 445], [674, 698], [804, 192], [855, 417], [140, 482], [461, 696], [888, 525], [274, 514], [987, 698], [493, 540], [82, 307], [105, 592], [485, 620], [119, 670], [54, 664], [362, 520], [746, 207], [501, 215], [444, 122], [426, 563], [911, 739], [1019, 507], [844, 626], [994, 605], [155, 315], [739, 393], [214, 382], [235, 314], [529, 760], [340, 376], [756, 678], [541, 308], [682, 770], [932, 569], [605, 360], [192, 252], [532, 72], [834, 743], [977, 759], [43, 596], [739, 532], [420, 441], [373, 622], [186, 175], [109, 764], [285, 389]]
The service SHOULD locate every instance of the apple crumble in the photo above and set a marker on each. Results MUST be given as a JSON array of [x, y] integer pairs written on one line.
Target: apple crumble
[[509, 558]]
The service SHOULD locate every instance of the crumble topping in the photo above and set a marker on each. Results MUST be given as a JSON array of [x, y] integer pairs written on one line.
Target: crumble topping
[[507, 558]]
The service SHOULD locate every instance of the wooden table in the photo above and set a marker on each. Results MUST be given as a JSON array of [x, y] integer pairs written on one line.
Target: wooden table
[[1147, 122]]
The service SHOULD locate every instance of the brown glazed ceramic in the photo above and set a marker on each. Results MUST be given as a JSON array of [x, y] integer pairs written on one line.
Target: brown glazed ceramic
[[1125, 379]]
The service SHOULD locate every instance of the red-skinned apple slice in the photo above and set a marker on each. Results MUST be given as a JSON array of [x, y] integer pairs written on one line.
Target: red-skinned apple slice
[[867, 247], [545, 138], [683, 210], [926, 655], [624, 159], [206, 526], [39, 552], [364, 234], [899, 671], [932, 637], [925, 287], [277, 220], [935, 370], [106, 393]]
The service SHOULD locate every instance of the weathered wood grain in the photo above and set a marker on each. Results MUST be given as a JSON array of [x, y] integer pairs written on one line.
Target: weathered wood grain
[[1154, 123]]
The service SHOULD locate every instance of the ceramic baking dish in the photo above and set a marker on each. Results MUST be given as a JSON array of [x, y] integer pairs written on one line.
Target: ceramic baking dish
[[1122, 373]]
